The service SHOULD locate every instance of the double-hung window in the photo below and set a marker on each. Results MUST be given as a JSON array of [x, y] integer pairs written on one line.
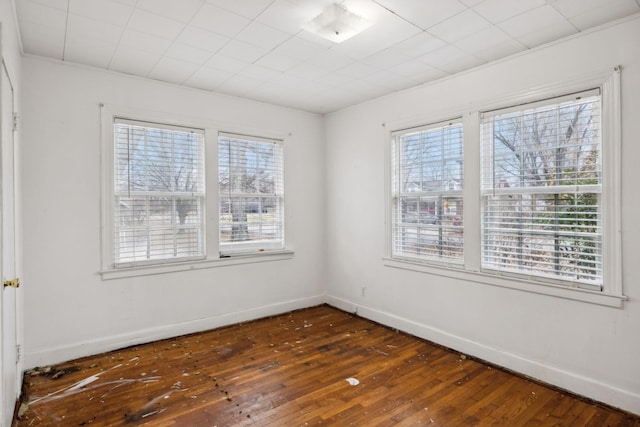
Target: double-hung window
[[542, 190], [427, 186], [251, 194], [158, 193], [541, 193]]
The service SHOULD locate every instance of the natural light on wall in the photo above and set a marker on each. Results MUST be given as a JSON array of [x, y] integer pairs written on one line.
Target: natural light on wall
[[337, 24]]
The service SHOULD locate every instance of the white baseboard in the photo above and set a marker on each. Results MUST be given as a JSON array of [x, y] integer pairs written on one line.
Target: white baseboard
[[591, 388], [51, 356]]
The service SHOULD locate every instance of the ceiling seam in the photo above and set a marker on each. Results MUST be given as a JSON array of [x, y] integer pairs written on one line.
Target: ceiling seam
[[122, 35], [66, 32]]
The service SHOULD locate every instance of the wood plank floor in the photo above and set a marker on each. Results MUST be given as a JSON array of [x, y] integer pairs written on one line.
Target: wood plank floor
[[292, 370]]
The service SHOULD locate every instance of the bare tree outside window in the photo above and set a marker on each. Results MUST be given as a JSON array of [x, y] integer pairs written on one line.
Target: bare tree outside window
[[542, 186], [159, 190]]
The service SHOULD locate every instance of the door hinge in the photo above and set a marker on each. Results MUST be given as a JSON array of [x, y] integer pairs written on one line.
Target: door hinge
[[13, 283], [18, 353], [15, 122]]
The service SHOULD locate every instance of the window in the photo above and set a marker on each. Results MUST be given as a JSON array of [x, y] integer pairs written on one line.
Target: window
[[541, 189], [427, 186], [251, 194], [541, 193], [158, 190]]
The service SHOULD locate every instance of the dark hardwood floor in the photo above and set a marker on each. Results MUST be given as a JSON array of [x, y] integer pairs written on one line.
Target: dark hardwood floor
[[294, 370]]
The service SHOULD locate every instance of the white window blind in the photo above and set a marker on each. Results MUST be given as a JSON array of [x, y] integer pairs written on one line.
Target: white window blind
[[159, 193], [251, 194], [541, 189], [427, 187]]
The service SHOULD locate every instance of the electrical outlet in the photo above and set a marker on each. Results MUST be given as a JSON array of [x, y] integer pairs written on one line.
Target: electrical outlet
[[364, 291]]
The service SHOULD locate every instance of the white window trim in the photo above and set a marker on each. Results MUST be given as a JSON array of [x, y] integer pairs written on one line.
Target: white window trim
[[212, 259], [612, 292]]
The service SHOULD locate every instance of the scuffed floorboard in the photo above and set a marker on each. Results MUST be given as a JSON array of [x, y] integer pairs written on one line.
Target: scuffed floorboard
[[319, 366]]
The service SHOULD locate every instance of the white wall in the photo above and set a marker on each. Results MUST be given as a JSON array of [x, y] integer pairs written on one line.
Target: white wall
[[71, 312], [590, 349]]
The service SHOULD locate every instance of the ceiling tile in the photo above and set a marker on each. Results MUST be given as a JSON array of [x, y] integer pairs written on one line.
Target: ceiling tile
[[334, 79], [307, 71], [173, 70], [460, 26], [497, 11], [571, 8], [390, 80], [490, 44], [144, 42], [219, 21], [419, 45], [429, 74], [84, 50], [365, 89], [386, 58], [242, 51], [357, 70], [247, 8], [107, 11], [300, 48], [238, 85], [330, 60], [226, 63], [62, 5], [182, 10], [262, 35], [259, 73], [425, 13], [202, 39], [277, 61], [133, 61], [155, 25], [188, 53], [417, 70], [42, 40], [36, 13], [584, 17], [537, 26], [208, 78], [84, 27], [286, 16], [450, 59], [290, 81]]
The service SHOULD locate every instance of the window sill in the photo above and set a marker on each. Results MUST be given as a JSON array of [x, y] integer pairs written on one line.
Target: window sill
[[148, 270], [577, 294]]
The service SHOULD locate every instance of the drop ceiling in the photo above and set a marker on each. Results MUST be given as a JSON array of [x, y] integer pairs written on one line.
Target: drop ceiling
[[258, 49]]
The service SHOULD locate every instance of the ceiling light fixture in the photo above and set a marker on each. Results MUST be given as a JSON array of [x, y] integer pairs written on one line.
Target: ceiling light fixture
[[337, 23]]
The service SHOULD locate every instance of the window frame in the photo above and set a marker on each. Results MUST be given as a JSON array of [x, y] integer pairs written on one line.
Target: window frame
[[398, 195], [612, 291], [228, 249], [486, 193], [108, 270], [202, 225]]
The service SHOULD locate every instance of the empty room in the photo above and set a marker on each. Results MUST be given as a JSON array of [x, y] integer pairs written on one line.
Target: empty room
[[319, 212]]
